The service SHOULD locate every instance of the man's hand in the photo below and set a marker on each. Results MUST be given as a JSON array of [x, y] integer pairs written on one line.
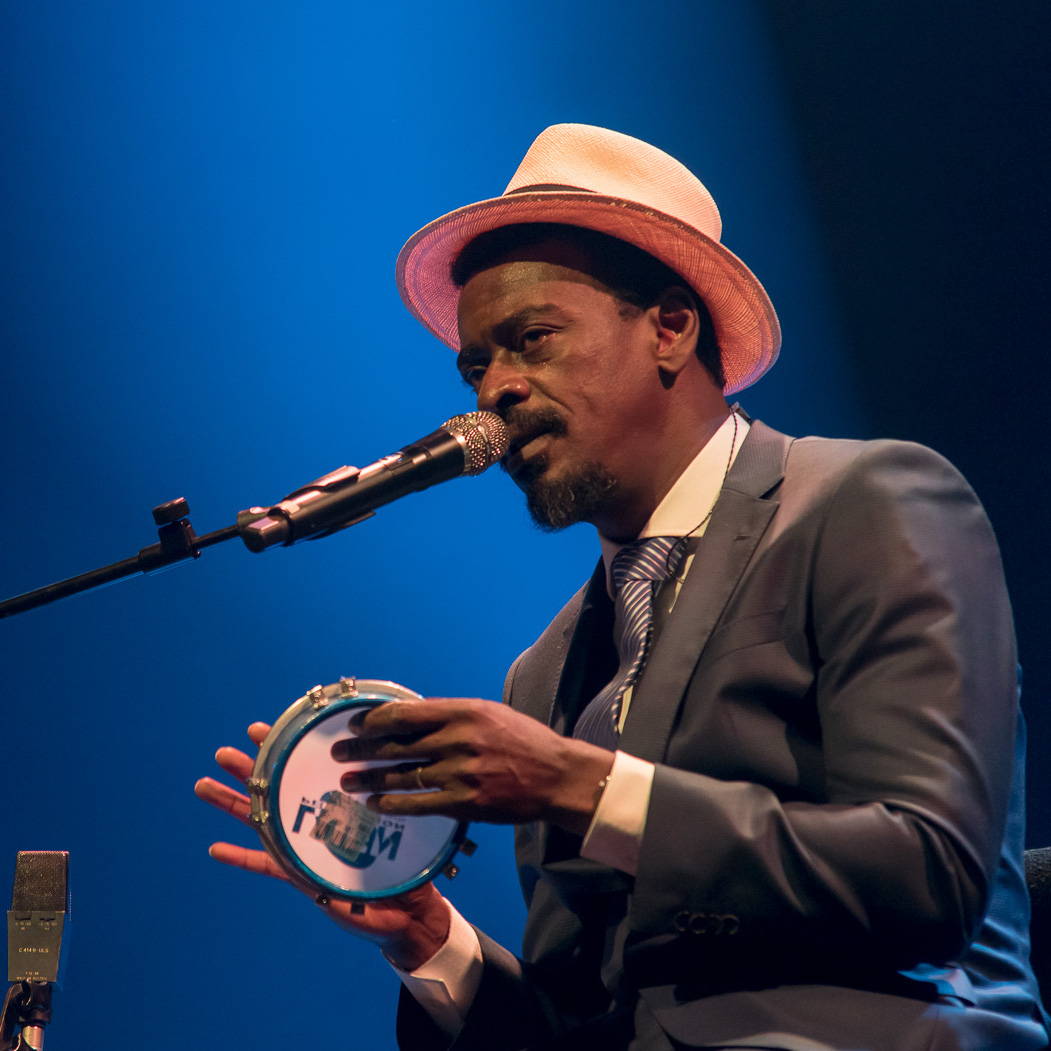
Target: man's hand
[[482, 760], [409, 928]]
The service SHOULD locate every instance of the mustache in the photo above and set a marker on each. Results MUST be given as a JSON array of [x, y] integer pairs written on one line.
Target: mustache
[[523, 425]]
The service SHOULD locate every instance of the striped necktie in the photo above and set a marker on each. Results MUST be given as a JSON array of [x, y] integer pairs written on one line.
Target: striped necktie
[[638, 570]]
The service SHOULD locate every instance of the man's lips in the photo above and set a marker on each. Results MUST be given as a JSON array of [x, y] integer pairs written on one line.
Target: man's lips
[[520, 449], [519, 443], [526, 429]]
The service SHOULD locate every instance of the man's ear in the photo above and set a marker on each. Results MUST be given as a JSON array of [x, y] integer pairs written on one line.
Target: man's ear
[[675, 317]]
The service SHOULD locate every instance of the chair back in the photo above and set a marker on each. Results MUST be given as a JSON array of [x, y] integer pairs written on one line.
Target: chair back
[[1038, 879]]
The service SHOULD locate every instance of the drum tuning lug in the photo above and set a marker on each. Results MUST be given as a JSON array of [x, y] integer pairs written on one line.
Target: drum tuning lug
[[257, 784], [348, 687], [259, 819], [317, 696], [451, 871], [468, 847]]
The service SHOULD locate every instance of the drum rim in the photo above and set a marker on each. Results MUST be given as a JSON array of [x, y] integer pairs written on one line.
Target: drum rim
[[368, 692]]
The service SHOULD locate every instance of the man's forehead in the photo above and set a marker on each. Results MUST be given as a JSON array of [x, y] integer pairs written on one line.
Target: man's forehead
[[567, 258], [504, 298], [560, 251], [522, 275]]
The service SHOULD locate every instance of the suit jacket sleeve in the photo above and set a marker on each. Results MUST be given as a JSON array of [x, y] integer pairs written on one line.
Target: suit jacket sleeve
[[504, 999]]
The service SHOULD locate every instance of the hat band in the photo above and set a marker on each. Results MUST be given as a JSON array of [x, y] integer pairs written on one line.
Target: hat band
[[545, 186]]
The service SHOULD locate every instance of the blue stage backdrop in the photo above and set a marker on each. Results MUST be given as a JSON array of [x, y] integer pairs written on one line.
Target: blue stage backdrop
[[202, 204]]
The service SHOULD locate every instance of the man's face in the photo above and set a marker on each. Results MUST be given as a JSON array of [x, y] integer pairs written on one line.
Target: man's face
[[570, 368]]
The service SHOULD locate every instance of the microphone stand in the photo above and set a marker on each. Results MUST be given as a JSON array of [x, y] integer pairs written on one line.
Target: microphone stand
[[177, 542], [27, 1007], [465, 444]]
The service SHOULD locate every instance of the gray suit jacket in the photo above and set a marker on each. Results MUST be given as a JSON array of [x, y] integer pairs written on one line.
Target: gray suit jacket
[[832, 849]]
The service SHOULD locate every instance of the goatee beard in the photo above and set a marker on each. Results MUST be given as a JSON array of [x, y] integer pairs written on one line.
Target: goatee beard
[[556, 504], [559, 503]]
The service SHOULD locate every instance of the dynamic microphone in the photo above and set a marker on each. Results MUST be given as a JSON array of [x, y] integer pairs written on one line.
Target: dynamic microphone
[[466, 444], [35, 924]]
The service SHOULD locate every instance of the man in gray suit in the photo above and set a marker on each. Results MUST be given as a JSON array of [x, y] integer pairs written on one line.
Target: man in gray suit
[[765, 765]]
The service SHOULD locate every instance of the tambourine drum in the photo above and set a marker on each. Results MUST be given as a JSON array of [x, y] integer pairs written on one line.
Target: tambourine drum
[[323, 837]]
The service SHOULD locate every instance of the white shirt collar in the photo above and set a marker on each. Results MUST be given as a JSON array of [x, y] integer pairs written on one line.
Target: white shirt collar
[[694, 492]]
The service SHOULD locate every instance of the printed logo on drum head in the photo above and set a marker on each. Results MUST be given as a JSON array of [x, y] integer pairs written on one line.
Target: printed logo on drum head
[[352, 833]]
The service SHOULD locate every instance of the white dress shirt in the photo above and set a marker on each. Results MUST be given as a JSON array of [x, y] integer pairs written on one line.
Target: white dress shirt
[[446, 984]]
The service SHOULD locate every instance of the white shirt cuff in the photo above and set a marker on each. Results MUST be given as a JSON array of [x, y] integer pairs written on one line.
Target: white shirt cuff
[[445, 986], [615, 833]]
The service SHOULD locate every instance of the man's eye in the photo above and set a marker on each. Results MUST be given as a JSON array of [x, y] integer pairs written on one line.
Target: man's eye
[[473, 376], [531, 337]]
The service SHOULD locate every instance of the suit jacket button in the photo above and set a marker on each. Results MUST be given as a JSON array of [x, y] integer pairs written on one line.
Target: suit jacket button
[[701, 923], [682, 921]]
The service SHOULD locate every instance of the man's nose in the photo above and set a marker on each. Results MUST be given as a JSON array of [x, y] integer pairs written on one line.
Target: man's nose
[[502, 386]]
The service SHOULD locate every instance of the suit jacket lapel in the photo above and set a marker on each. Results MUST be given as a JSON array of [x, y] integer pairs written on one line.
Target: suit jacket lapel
[[554, 674], [557, 851], [549, 681], [741, 516], [591, 635]]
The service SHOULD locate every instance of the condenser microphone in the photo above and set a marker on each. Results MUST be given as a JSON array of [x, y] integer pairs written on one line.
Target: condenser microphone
[[37, 918], [467, 444], [35, 925]]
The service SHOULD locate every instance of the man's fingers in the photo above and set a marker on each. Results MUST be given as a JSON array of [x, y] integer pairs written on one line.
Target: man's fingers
[[224, 797], [235, 762], [250, 860], [257, 732], [405, 777], [238, 765], [400, 730], [402, 717], [417, 804], [360, 749]]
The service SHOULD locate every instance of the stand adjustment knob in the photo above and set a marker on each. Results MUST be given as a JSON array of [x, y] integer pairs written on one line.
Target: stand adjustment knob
[[171, 511]]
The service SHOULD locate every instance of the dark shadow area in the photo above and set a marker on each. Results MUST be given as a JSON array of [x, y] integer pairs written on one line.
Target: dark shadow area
[[924, 135]]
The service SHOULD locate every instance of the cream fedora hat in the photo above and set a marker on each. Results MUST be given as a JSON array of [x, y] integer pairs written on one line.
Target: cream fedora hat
[[592, 177]]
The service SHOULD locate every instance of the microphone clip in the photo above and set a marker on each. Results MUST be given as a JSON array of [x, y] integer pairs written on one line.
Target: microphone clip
[[263, 527]]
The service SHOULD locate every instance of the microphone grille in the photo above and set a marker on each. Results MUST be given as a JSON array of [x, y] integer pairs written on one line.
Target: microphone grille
[[41, 881], [485, 439]]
